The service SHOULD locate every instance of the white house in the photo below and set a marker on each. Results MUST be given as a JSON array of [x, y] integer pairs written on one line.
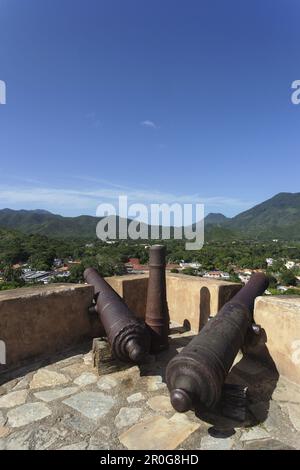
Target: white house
[[290, 264]]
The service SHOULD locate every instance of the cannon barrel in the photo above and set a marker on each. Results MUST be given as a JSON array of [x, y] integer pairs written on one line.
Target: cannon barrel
[[128, 336], [157, 313], [197, 374]]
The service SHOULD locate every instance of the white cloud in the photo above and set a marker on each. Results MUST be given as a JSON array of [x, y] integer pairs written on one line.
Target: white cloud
[[86, 201], [149, 124]]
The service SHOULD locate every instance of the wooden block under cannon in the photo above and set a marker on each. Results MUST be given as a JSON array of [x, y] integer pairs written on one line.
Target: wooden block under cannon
[[103, 359]]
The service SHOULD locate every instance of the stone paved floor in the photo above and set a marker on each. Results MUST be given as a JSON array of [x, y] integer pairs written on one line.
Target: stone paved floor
[[63, 404]]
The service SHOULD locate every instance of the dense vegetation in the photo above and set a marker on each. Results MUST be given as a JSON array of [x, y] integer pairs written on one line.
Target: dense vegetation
[[40, 251], [38, 237]]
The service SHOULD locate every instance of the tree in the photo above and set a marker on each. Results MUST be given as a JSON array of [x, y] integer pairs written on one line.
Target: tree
[[272, 282], [13, 276], [288, 278], [278, 266], [76, 273], [234, 278], [41, 261], [190, 271]]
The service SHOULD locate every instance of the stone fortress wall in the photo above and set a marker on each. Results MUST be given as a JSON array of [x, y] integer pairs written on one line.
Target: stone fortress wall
[[40, 321]]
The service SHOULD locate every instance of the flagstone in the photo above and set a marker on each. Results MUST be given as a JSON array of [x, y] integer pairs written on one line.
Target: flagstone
[[47, 378], [127, 417], [55, 394], [158, 433], [135, 397], [86, 378], [160, 403], [106, 383], [294, 414], [13, 399], [26, 414], [93, 405]]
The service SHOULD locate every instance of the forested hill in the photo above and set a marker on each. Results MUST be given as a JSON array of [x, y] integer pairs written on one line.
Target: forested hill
[[278, 217]]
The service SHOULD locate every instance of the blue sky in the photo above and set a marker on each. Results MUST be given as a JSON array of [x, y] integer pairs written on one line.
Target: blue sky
[[162, 100]]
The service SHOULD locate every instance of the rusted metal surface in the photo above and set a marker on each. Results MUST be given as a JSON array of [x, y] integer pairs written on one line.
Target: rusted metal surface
[[197, 374], [157, 313], [128, 336], [256, 286]]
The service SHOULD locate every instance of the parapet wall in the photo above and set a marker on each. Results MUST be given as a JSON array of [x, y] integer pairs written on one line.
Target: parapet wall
[[40, 321], [279, 318], [43, 320], [189, 298], [195, 299]]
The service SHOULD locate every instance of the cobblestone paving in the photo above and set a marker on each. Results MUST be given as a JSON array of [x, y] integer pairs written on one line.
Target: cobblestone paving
[[62, 403]]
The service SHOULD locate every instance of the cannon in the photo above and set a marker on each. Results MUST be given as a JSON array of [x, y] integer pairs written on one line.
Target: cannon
[[157, 313], [197, 374], [127, 335]]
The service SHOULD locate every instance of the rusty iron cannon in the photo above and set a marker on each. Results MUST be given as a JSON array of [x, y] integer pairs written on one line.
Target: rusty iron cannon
[[127, 335], [157, 313], [195, 377]]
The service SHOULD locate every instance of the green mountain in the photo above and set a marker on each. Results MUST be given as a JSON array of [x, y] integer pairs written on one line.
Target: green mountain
[[46, 223], [215, 219], [220, 233], [278, 217], [51, 225]]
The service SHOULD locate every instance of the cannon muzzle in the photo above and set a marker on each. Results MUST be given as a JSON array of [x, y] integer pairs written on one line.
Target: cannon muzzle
[[128, 336], [197, 374]]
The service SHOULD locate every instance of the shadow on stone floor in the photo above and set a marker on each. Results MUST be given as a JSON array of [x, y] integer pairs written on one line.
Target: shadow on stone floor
[[260, 381], [258, 372], [161, 360], [158, 363], [33, 365]]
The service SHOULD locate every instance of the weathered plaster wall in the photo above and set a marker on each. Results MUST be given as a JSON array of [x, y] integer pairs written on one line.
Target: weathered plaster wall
[[42, 320]]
